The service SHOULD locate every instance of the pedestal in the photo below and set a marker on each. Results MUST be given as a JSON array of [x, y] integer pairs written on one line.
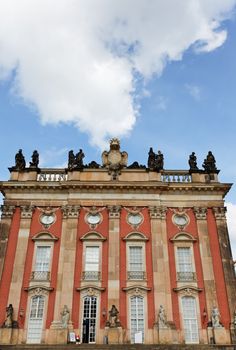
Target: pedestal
[[165, 336], [114, 335], [56, 334], [221, 335], [5, 335]]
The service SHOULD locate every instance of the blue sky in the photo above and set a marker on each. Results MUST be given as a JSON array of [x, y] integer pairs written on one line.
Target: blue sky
[[166, 84]]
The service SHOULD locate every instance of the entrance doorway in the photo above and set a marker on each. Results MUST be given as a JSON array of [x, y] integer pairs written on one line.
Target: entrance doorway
[[35, 324], [89, 320]]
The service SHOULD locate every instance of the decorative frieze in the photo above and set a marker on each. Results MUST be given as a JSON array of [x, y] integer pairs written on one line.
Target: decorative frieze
[[70, 211], [200, 213], [7, 210], [157, 212], [219, 213], [114, 211], [27, 211]]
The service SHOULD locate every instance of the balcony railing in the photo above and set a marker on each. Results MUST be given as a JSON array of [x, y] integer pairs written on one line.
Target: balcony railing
[[91, 275], [136, 275], [40, 276], [52, 175], [186, 276], [181, 176]]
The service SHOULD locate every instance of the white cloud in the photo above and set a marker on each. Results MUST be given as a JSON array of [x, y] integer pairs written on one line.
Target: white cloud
[[231, 219], [194, 91], [76, 61]]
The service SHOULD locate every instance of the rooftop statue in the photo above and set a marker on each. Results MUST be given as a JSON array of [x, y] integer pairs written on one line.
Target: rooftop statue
[[155, 161], [75, 162], [19, 161], [35, 160], [192, 161], [209, 163]]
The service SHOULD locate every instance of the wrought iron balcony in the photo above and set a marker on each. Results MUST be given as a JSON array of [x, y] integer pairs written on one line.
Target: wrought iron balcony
[[91, 275], [186, 276], [136, 275], [40, 276]]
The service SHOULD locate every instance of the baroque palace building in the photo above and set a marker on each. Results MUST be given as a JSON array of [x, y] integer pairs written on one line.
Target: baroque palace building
[[116, 253]]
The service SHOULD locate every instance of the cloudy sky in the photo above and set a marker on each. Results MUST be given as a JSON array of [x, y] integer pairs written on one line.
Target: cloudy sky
[[74, 73]]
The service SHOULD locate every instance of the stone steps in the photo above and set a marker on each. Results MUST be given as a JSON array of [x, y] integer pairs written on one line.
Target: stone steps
[[118, 347]]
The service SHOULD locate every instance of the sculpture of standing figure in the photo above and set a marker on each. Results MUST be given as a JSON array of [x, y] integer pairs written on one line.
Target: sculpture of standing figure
[[162, 317], [9, 317], [159, 161], [35, 159], [215, 317], [113, 317], [151, 159], [79, 159], [192, 161], [19, 160], [71, 160], [209, 163], [65, 316]]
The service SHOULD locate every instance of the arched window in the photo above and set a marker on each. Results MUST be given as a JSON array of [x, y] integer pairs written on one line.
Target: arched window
[[35, 322], [137, 319], [190, 323]]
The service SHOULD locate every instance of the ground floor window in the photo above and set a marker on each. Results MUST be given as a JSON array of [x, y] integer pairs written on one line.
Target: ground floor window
[[89, 320], [136, 317], [35, 323], [190, 322]]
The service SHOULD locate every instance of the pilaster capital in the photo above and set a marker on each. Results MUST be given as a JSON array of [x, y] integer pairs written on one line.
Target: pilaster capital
[[114, 211], [200, 213], [70, 211], [7, 210], [26, 211], [219, 212], [157, 212]]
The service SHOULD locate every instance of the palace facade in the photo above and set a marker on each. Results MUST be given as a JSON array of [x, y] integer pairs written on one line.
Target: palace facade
[[115, 253]]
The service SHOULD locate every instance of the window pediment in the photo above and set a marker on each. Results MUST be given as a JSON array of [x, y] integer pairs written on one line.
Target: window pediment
[[183, 237], [93, 236], [44, 236], [135, 236]]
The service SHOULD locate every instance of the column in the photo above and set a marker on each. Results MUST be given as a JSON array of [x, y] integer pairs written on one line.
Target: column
[[161, 271], [66, 266], [114, 257], [226, 256], [206, 258]]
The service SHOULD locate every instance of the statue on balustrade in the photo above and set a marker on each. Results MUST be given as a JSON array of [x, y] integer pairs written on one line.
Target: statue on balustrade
[[155, 161], [75, 162], [209, 163], [19, 161], [35, 160], [192, 162]]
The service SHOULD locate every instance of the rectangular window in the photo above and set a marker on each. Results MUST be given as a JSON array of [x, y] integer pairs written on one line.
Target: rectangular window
[[184, 264], [137, 319], [91, 263], [42, 263], [190, 320], [136, 270]]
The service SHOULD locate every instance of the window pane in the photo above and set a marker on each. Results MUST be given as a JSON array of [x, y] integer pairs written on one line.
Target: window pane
[[42, 258], [184, 259], [136, 258], [190, 320], [92, 259]]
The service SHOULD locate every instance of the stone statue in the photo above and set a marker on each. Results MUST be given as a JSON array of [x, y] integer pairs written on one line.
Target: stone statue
[[215, 317], [209, 163], [9, 317], [65, 316], [162, 323], [71, 160], [159, 161], [19, 160], [79, 159], [113, 317], [192, 162], [155, 161], [35, 160]]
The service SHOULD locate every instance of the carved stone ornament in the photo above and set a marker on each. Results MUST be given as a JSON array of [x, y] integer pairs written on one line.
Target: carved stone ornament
[[27, 211], [114, 211], [157, 212], [219, 213], [200, 213], [37, 291], [70, 211], [114, 160], [7, 210]]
